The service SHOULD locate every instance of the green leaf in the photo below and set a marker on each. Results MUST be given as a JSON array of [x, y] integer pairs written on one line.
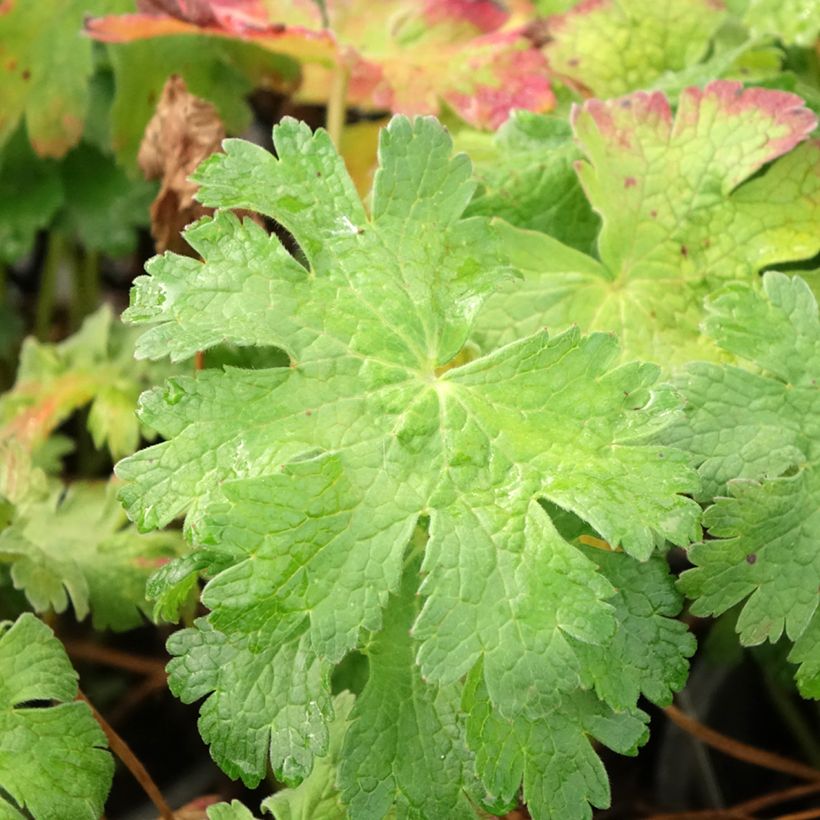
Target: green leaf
[[229, 811], [552, 756], [792, 21], [755, 438], [74, 545], [527, 176], [209, 69], [46, 67], [651, 646], [54, 761], [680, 217], [30, 195], [405, 744], [303, 484], [610, 48], [104, 209], [317, 796]]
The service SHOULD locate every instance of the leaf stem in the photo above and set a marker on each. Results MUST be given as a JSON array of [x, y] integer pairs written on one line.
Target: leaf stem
[[781, 796], [131, 761], [337, 103], [86, 294], [88, 651], [55, 251], [741, 751]]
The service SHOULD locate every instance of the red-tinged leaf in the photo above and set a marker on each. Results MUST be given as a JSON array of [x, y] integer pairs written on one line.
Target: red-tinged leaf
[[402, 56], [248, 20]]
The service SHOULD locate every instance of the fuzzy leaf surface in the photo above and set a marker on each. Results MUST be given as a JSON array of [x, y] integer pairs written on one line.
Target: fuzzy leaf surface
[[756, 437], [54, 761], [679, 215], [405, 745], [317, 796], [303, 484]]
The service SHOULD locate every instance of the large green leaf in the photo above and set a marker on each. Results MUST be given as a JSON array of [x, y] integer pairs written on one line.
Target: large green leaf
[[303, 484]]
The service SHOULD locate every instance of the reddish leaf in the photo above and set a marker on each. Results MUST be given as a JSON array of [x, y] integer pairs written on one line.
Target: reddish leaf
[[403, 56]]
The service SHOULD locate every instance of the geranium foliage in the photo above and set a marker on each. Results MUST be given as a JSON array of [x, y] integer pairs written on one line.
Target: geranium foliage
[[679, 216], [754, 432], [303, 485], [404, 56]]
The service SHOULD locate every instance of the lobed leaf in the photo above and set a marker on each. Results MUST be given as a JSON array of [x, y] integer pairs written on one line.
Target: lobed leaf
[[754, 434], [610, 47], [54, 761], [303, 484], [403, 56], [680, 216], [73, 545]]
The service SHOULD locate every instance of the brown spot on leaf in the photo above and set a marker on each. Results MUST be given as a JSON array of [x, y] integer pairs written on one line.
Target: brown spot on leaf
[[751, 558], [184, 130], [26, 75], [653, 214], [630, 182], [684, 251], [11, 65]]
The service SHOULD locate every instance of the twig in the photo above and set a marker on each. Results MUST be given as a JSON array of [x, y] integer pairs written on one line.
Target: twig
[[705, 814], [741, 751], [781, 796], [132, 762], [87, 651], [809, 814]]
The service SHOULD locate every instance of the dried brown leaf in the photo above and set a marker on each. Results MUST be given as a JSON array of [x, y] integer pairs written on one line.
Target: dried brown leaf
[[184, 131]]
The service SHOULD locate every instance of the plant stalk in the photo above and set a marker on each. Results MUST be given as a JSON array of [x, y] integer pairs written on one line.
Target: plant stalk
[[337, 104], [44, 311]]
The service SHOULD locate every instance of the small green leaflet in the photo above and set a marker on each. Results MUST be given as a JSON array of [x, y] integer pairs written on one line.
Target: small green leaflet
[[317, 797], [792, 21], [680, 217], [304, 484], [527, 176], [54, 761], [74, 544], [756, 437]]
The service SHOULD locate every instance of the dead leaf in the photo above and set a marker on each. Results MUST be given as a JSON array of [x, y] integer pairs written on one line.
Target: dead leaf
[[184, 131]]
